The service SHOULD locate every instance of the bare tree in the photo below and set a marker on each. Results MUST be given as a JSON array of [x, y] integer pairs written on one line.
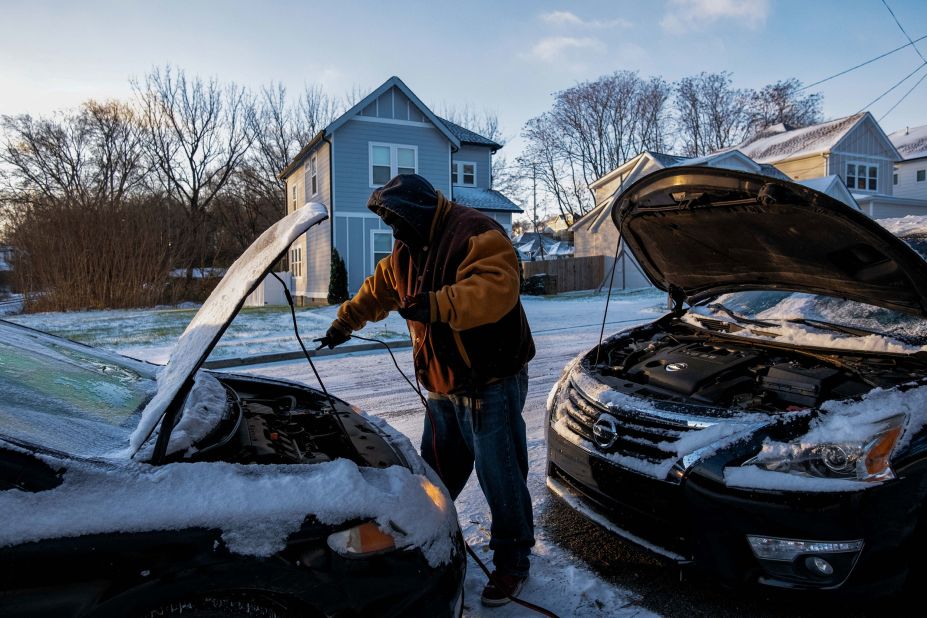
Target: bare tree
[[710, 113], [198, 135], [783, 102]]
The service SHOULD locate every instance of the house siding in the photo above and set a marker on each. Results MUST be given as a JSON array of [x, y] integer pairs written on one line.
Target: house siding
[[864, 144], [482, 157], [907, 179], [316, 243], [352, 181], [802, 169]]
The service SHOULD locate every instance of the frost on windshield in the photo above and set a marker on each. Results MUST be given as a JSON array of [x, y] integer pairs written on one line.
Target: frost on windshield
[[137, 497], [220, 308]]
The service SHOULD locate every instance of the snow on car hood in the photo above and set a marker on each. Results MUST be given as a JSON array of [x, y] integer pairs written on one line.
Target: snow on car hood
[[207, 326], [137, 497], [698, 232]]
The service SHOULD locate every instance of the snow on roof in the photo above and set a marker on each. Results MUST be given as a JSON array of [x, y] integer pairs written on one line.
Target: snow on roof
[[778, 144], [903, 226], [911, 142], [484, 199]]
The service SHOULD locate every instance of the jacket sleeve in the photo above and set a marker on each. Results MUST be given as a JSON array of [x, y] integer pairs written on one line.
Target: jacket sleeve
[[373, 302], [486, 288]]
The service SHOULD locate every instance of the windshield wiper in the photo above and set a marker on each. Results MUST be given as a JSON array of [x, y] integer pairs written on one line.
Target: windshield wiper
[[736, 316], [837, 328]]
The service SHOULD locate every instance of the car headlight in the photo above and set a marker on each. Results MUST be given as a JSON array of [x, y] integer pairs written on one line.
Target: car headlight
[[864, 459], [361, 541]]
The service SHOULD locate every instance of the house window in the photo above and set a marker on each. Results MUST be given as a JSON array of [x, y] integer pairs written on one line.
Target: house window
[[894, 179], [296, 261], [387, 160], [313, 176], [921, 175], [464, 173], [381, 245], [293, 198], [862, 176]]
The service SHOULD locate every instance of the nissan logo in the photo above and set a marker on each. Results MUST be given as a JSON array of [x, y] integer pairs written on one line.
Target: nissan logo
[[605, 431], [676, 366]]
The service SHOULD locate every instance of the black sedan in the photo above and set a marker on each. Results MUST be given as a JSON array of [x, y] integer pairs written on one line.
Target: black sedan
[[128, 489], [770, 427]]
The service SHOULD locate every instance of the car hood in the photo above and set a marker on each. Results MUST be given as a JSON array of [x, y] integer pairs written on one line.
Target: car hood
[[698, 232], [207, 326]]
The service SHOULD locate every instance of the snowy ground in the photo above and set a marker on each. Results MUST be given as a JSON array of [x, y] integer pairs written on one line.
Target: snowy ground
[[563, 327]]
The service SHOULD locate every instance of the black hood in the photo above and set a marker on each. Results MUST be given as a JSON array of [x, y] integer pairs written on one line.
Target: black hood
[[412, 201], [699, 231]]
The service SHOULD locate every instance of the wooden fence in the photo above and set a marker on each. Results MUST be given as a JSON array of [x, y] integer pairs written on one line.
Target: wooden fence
[[582, 273]]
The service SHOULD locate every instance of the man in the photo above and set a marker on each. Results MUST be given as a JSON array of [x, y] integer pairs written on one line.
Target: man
[[453, 275]]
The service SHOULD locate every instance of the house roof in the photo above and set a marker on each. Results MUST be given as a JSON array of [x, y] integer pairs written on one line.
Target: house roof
[[911, 142], [833, 186], [359, 107], [484, 199], [466, 136], [781, 143]]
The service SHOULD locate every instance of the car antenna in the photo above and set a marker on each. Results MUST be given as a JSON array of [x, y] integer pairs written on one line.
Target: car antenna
[[611, 281]]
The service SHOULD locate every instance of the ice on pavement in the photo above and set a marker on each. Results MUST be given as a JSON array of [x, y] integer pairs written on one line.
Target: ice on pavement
[[219, 309], [136, 497]]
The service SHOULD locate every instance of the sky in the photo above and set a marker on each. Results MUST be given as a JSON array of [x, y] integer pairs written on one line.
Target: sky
[[505, 57]]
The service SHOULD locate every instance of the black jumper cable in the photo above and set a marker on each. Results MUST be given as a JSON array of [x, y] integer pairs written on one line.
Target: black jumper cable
[[289, 299]]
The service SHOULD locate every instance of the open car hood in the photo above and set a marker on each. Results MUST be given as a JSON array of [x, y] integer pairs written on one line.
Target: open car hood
[[210, 322], [698, 232]]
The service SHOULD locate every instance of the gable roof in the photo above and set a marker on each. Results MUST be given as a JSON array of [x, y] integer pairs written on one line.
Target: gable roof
[[466, 136], [357, 108], [833, 186], [911, 142], [780, 143]]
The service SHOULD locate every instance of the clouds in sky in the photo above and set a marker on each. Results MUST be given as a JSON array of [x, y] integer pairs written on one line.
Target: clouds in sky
[[573, 39], [684, 15]]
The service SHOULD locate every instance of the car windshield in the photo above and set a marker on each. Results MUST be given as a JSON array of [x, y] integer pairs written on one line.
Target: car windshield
[[816, 320], [59, 395]]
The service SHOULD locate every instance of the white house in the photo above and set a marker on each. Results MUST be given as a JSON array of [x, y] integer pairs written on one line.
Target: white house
[[910, 179]]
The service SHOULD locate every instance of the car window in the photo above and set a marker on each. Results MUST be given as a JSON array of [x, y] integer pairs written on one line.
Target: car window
[[67, 397]]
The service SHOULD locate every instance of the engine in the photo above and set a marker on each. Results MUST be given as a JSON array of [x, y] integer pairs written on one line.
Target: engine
[[694, 367]]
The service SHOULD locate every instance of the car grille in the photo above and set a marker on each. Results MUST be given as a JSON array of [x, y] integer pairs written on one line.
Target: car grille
[[640, 436]]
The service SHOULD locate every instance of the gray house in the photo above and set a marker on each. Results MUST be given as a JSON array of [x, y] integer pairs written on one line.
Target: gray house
[[389, 132]]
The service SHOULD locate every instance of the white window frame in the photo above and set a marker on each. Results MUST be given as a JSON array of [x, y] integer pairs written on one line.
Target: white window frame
[[296, 262], [294, 193], [919, 173], [393, 159], [313, 176], [457, 173], [373, 234], [866, 165]]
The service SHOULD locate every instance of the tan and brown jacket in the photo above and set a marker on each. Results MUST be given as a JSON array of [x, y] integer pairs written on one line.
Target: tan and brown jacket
[[469, 271]]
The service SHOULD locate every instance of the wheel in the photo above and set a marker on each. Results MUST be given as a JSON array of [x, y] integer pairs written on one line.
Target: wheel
[[224, 605]]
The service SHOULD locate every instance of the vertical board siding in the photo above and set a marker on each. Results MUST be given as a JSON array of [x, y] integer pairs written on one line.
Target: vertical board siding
[[907, 179], [483, 159]]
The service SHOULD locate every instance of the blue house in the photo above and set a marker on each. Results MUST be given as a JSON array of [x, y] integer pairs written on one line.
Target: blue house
[[389, 132]]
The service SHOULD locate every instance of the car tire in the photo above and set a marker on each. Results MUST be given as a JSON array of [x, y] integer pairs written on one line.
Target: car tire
[[225, 605]]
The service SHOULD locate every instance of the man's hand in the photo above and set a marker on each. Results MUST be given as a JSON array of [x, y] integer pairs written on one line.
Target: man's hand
[[334, 336], [416, 308]]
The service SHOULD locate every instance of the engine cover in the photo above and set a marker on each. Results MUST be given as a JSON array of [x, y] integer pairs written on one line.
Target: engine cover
[[689, 367]]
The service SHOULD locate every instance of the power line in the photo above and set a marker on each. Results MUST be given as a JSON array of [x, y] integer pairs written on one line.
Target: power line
[[903, 98], [903, 80], [903, 30], [862, 64]]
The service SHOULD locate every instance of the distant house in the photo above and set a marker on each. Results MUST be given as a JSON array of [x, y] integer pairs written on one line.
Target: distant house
[[389, 132], [855, 148], [910, 178], [6, 258], [531, 246]]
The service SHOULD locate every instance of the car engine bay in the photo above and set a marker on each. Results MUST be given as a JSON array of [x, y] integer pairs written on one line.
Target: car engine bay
[[680, 363]]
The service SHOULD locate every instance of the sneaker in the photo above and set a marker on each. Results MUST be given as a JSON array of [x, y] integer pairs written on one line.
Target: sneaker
[[500, 588]]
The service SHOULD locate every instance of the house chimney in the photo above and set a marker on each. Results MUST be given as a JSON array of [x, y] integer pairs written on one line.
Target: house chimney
[[907, 130]]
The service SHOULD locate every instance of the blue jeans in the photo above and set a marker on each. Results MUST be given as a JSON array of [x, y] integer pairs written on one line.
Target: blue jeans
[[488, 430]]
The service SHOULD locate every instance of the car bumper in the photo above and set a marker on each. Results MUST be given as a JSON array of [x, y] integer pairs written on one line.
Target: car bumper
[[699, 520]]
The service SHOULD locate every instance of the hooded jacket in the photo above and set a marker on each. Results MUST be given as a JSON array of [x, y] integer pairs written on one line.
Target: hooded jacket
[[469, 272]]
